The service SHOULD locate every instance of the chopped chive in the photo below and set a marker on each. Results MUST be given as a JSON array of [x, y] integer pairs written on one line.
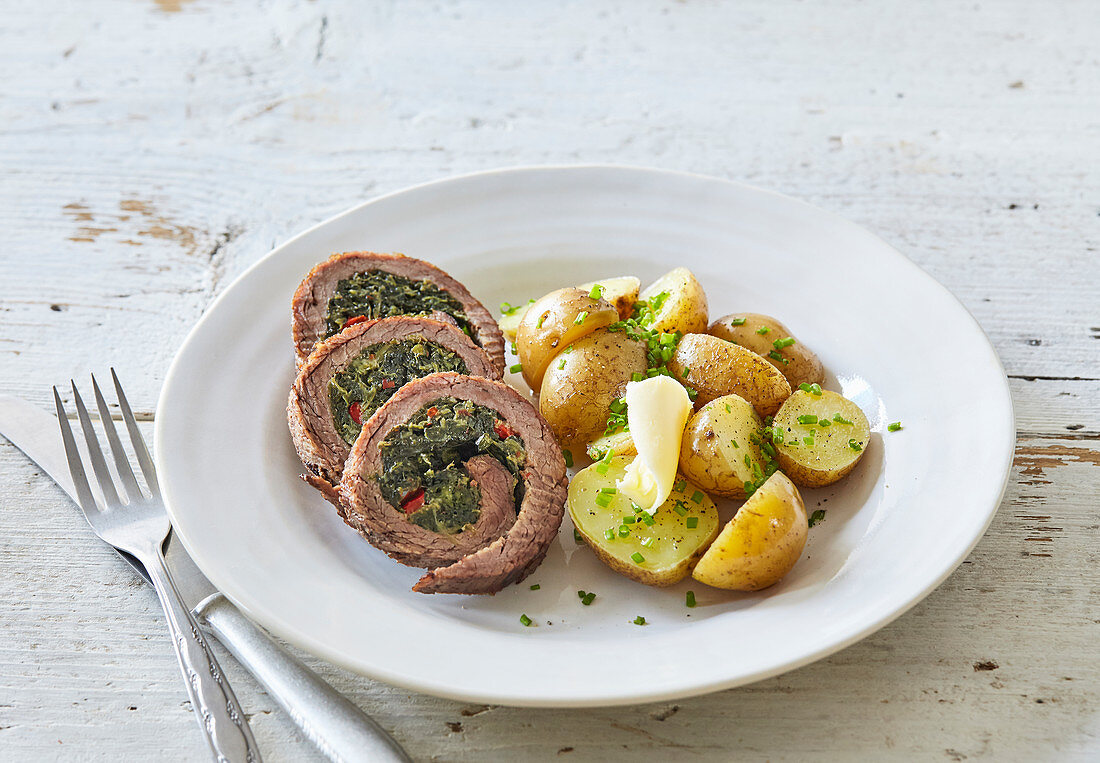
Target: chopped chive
[[525, 620], [763, 330], [542, 319], [728, 409], [602, 467], [579, 320], [635, 507], [697, 496], [692, 394], [648, 520], [577, 536], [749, 489], [779, 344], [609, 534], [808, 418], [735, 445], [808, 440], [588, 598], [815, 389], [629, 520], [824, 422], [597, 292], [894, 427], [618, 405], [639, 620], [804, 386], [748, 461], [679, 486], [568, 455], [651, 372], [737, 322], [816, 517], [624, 531], [535, 587], [603, 500], [841, 420], [690, 599], [580, 594], [561, 364], [768, 449], [637, 377], [679, 509], [692, 522], [776, 356], [608, 490], [647, 542], [512, 346], [855, 446], [637, 558]]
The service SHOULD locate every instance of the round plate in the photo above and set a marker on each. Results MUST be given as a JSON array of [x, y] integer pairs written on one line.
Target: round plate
[[892, 339]]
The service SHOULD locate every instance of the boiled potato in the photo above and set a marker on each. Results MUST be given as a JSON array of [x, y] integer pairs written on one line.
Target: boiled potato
[[820, 438], [761, 543], [622, 292], [668, 548], [720, 451], [509, 322], [714, 367], [618, 443], [760, 333], [555, 322], [582, 382], [683, 307]]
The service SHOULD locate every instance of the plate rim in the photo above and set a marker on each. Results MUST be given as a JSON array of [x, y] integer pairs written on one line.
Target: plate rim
[[609, 698]]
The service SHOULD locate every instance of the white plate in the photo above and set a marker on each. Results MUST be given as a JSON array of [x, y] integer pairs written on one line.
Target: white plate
[[892, 339]]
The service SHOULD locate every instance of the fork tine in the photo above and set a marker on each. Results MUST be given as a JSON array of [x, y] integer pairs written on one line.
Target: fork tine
[[76, 467], [95, 452], [122, 462], [138, 441]]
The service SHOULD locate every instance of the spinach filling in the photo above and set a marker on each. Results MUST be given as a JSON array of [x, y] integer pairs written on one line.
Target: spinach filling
[[378, 294], [422, 463], [376, 373]]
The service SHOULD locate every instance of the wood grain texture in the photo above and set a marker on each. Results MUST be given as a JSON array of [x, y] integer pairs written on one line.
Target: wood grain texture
[[151, 151]]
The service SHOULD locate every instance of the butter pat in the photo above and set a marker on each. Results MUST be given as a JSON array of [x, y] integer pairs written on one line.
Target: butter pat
[[657, 410]]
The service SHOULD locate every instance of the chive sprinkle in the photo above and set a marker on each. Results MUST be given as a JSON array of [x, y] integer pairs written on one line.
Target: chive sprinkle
[[525, 620], [588, 598], [568, 455], [804, 386], [690, 599], [809, 418], [637, 558], [824, 422], [774, 355], [629, 520], [648, 520], [561, 365], [894, 427], [516, 368], [697, 496], [637, 376], [808, 440], [542, 318], [855, 446], [735, 445], [609, 534], [581, 594], [779, 344], [535, 587], [692, 522], [816, 517], [647, 542], [639, 620], [579, 320], [679, 486], [603, 500], [602, 467], [737, 322], [815, 389], [577, 536], [609, 490], [597, 292], [680, 509], [763, 330]]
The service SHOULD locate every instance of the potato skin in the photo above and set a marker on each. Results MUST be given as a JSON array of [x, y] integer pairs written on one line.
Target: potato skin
[[802, 366], [580, 385], [830, 458], [761, 543], [550, 325], [685, 307], [708, 456], [717, 368]]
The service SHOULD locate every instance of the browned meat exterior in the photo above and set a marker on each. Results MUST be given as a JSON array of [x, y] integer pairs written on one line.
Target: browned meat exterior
[[490, 564], [310, 304], [309, 414]]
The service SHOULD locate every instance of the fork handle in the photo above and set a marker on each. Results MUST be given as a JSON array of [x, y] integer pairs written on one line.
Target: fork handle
[[223, 723]]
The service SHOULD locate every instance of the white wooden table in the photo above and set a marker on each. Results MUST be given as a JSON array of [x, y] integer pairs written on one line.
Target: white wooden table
[[151, 151]]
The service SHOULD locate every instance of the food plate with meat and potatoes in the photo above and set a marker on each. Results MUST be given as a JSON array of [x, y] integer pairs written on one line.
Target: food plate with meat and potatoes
[[703, 414]]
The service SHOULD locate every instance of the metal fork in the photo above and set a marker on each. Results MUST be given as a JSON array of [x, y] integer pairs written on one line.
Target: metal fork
[[139, 526]]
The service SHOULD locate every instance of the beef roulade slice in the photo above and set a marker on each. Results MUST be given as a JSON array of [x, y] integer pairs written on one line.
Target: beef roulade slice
[[350, 375], [355, 286], [460, 475]]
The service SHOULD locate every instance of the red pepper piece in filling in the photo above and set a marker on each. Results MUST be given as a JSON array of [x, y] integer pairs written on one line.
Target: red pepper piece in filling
[[433, 411], [503, 430], [388, 384], [413, 501], [355, 410], [353, 320]]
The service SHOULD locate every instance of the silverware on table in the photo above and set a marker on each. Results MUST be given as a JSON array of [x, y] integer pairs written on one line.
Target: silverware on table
[[336, 726], [138, 524]]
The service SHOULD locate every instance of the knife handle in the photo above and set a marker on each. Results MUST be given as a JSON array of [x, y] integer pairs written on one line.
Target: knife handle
[[339, 729]]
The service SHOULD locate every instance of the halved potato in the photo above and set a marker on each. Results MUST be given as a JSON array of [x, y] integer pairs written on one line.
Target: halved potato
[[720, 451], [668, 548], [553, 323], [761, 543], [582, 382], [812, 452], [622, 292], [714, 367], [760, 333], [684, 306], [509, 322], [617, 444]]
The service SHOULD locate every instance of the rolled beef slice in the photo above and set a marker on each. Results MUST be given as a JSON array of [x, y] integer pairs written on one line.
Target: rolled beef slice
[[309, 414], [480, 564], [309, 307]]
